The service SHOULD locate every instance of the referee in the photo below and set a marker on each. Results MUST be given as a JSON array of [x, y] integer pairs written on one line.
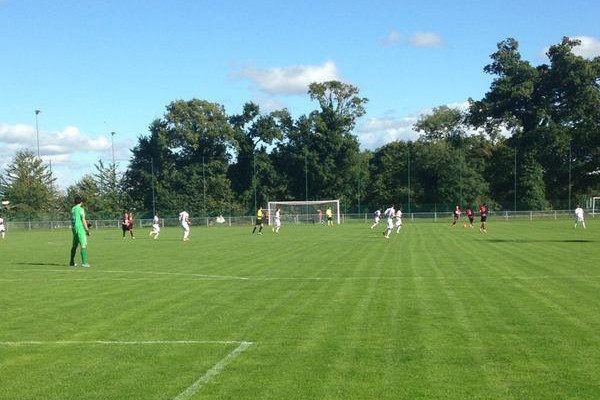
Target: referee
[[259, 221]]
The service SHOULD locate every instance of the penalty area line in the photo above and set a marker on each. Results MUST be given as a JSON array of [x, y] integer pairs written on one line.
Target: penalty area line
[[211, 373]]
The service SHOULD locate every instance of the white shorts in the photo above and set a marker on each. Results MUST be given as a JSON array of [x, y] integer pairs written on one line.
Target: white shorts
[[277, 222], [390, 223], [579, 219], [2, 228], [156, 227], [399, 222], [185, 226], [376, 220]]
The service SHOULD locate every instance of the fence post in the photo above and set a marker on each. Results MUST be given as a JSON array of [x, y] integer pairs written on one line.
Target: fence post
[[435, 217], [412, 217], [229, 221], [531, 215], [506, 215], [206, 221], [555, 217]]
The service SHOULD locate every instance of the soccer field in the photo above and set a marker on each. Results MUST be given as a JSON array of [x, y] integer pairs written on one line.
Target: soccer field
[[311, 313]]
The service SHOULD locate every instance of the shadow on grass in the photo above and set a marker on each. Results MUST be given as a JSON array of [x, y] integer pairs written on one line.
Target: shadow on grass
[[540, 241], [41, 263]]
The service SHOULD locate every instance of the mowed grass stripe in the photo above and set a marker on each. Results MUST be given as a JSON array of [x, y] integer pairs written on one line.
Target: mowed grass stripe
[[434, 312]]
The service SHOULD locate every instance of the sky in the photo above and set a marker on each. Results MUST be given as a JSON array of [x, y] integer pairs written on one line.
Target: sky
[[93, 67]]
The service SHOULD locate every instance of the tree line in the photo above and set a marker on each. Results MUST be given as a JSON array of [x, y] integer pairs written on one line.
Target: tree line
[[531, 142]]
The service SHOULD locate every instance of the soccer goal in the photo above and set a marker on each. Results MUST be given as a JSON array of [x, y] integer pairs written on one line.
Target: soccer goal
[[595, 203], [304, 212]]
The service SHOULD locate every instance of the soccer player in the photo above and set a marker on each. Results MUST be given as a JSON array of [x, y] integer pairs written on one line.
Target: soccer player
[[81, 231], [469, 212], [320, 214], [329, 215], [259, 221], [578, 217], [483, 213], [125, 224], [184, 220], [457, 212], [377, 217], [398, 220], [2, 228], [277, 221], [155, 227], [131, 225], [389, 214]]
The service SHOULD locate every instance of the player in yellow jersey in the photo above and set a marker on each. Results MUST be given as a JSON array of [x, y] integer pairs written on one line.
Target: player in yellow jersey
[[259, 221], [329, 215]]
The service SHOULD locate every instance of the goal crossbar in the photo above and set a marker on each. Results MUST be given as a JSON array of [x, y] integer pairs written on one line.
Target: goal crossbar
[[304, 216]]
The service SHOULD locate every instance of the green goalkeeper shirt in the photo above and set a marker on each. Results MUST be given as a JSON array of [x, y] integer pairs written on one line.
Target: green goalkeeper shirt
[[77, 216]]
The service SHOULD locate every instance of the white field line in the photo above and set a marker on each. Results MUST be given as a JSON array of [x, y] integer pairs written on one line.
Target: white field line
[[117, 342], [71, 270], [202, 277], [211, 373], [187, 393]]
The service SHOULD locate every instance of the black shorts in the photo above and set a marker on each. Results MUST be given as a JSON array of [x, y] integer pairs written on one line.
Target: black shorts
[[259, 221], [471, 219], [329, 218], [125, 227], [483, 218]]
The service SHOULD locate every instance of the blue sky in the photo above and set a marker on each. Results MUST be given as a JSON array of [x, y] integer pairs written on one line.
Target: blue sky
[[96, 66]]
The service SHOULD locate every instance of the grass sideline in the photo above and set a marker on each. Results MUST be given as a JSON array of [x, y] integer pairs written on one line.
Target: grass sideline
[[333, 313]]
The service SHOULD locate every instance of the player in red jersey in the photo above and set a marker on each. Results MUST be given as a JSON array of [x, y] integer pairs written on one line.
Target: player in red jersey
[[457, 212], [131, 225], [469, 212], [483, 213]]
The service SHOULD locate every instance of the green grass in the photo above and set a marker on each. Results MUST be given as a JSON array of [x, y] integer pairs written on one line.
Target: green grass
[[333, 313]]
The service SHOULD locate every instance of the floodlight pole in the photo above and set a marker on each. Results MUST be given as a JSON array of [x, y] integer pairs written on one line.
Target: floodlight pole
[[204, 184], [569, 202], [305, 175], [153, 196], [254, 177], [37, 131], [408, 173], [112, 140], [515, 182]]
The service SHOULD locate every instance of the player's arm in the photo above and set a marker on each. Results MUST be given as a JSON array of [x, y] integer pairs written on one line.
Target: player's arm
[[85, 223]]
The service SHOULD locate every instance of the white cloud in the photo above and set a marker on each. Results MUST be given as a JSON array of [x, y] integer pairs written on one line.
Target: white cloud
[[289, 80], [589, 47], [392, 38], [70, 140], [425, 39], [378, 131]]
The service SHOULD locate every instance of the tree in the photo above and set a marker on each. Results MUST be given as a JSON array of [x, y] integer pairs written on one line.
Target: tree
[[190, 149], [108, 188], [29, 185], [253, 171], [320, 154]]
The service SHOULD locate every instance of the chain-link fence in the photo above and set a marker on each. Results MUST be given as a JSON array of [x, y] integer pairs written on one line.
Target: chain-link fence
[[299, 219]]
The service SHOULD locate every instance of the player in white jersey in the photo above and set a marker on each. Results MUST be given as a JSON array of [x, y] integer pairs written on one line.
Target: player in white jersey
[[155, 227], [398, 221], [579, 216], [377, 218], [2, 227], [277, 221], [389, 215], [184, 220]]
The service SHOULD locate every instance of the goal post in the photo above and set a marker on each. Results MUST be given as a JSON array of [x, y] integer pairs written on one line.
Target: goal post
[[304, 212], [595, 205]]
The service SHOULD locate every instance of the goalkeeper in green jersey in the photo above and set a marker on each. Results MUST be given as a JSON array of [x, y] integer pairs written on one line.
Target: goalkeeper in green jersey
[[80, 232]]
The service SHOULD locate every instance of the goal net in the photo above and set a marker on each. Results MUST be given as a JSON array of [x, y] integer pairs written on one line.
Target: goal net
[[304, 212], [595, 203]]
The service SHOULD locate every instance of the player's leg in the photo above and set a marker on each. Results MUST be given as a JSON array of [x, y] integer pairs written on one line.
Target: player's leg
[[83, 241], [260, 229], [74, 246]]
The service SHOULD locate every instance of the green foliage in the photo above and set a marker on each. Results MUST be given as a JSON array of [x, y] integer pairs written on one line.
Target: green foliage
[[29, 185]]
